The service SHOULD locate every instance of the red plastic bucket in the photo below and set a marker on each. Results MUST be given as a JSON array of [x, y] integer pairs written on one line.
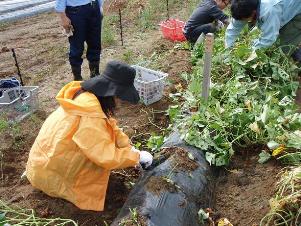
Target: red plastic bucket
[[173, 29]]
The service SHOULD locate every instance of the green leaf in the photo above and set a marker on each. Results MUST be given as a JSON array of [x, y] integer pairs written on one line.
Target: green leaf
[[203, 216], [221, 160], [2, 218], [263, 116], [210, 157], [291, 158], [264, 157], [137, 145], [286, 101], [251, 57], [272, 145], [190, 156], [173, 112], [195, 87], [294, 140], [155, 142]]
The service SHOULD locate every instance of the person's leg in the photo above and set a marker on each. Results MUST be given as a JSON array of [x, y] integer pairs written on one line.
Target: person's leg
[[193, 35], [290, 37], [77, 40], [94, 40]]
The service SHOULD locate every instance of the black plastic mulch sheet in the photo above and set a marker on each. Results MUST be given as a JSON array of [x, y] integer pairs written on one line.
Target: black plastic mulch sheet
[[171, 193]]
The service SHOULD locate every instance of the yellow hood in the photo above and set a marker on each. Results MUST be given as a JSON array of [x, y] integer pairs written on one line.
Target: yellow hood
[[86, 104]]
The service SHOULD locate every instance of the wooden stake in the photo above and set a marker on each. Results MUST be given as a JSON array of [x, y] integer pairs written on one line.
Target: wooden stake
[[120, 25], [209, 40], [17, 66]]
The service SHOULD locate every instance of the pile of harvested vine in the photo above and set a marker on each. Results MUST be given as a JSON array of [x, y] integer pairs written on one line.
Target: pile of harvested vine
[[251, 104]]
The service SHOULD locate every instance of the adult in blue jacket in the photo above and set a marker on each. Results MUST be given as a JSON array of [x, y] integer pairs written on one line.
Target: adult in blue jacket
[[275, 18], [84, 18]]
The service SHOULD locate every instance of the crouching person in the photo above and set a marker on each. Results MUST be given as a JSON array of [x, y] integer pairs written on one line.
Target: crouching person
[[208, 17], [274, 18], [80, 143]]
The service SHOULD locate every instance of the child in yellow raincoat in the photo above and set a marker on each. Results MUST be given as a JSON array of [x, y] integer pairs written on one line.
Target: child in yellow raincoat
[[80, 143]]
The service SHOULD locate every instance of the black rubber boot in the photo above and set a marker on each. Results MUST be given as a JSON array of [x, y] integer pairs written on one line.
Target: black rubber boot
[[94, 68], [76, 70]]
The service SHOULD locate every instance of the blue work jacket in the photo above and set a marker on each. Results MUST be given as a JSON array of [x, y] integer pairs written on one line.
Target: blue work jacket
[[273, 15]]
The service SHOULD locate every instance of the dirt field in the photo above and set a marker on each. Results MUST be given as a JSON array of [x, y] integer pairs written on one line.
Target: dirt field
[[242, 194], [42, 54]]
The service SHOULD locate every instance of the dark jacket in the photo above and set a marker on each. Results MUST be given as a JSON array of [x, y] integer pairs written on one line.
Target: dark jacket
[[205, 13]]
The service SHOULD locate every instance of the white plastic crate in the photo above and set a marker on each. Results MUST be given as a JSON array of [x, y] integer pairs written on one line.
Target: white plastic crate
[[17, 103], [149, 84]]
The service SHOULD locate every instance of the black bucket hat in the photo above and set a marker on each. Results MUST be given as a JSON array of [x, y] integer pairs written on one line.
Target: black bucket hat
[[116, 80]]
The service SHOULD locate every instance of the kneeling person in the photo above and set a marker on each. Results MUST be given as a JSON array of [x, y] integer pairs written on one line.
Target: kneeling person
[[80, 143]]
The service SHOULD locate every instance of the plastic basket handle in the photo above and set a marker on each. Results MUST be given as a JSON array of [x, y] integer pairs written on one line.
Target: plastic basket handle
[[26, 95]]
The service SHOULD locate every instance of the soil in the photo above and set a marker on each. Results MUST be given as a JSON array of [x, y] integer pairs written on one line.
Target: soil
[[157, 185], [242, 193], [138, 122], [180, 158], [15, 190], [136, 221], [41, 50], [180, 161], [244, 189]]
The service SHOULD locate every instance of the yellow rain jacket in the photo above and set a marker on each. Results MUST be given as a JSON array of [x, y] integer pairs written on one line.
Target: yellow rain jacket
[[75, 150]]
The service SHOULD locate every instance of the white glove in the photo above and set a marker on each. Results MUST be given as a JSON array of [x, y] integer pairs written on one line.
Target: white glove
[[135, 150], [146, 159]]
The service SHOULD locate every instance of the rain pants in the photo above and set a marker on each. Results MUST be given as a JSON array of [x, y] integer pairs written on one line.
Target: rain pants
[[75, 150]]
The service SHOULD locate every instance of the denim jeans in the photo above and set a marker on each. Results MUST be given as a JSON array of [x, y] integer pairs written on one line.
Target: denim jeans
[[86, 21]]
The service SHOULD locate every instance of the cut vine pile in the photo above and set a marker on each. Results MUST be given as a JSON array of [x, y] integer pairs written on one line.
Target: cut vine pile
[[251, 107], [251, 103]]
